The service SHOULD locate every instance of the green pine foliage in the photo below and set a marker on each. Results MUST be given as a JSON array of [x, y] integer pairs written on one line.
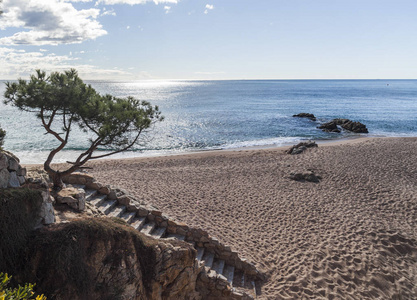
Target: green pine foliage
[[62, 101], [20, 293]]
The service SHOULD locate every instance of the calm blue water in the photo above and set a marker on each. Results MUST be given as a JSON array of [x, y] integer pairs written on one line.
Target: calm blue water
[[203, 115]]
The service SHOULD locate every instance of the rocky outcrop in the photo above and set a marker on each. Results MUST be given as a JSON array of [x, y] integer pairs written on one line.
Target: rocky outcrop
[[349, 125], [71, 196], [105, 259], [329, 127], [11, 173], [305, 115], [346, 124], [301, 147]]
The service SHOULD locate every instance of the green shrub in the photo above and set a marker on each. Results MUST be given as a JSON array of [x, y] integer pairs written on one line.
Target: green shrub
[[20, 293]]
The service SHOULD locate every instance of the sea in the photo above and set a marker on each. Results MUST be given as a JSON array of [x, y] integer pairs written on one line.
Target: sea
[[232, 114]]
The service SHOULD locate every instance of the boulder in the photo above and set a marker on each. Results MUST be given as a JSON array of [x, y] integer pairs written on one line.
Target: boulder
[[14, 180], [301, 147], [306, 115], [74, 197], [13, 164], [305, 176], [352, 126], [4, 163], [329, 127], [4, 178]]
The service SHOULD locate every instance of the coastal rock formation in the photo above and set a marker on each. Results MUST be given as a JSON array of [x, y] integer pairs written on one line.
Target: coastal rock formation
[[329, 127], [301, 147], [11, 173], [349, 125], [346, 124], [305, 115], [105, 259]]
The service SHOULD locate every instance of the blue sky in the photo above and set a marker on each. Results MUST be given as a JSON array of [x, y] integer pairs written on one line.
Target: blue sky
[[210, 39]]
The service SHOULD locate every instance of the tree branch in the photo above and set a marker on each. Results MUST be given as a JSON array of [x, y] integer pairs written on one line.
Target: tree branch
[[121, 150], [48, 129]]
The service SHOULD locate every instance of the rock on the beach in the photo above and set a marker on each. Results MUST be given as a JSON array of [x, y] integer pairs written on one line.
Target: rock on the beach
[[305, 115], [329, 127], [301, 147], [305, 176]]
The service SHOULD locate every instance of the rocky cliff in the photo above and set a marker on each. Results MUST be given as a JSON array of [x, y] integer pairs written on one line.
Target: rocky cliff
[[105, 259]]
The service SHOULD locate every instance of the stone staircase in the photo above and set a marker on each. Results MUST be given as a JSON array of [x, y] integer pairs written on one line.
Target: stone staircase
[[223, 273]]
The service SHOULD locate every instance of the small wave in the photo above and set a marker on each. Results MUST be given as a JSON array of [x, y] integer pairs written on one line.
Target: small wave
[[274, 142]]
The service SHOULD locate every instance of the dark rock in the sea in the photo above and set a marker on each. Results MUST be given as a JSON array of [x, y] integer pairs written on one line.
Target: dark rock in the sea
[[306, 115], [301, 147], [349, 125], [306, 176], [329, 127]]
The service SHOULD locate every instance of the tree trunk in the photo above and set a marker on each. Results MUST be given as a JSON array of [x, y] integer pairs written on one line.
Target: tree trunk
[[56, 178]]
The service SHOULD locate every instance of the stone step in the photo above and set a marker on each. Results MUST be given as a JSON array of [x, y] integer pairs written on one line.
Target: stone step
[[229, 272], [175, 236], [218, 266], [158, 232], [200, 253], [208, 258], [147, 228], [97, 200], [106, 207], [79, 186], [249, 284], [89, 193], [239, 279], [117, 211], [138, 222], [128, 217]]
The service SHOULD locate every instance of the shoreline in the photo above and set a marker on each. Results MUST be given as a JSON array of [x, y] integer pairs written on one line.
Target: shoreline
[[320, 142]]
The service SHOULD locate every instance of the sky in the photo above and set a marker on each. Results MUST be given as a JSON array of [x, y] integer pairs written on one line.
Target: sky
[[210, 39]]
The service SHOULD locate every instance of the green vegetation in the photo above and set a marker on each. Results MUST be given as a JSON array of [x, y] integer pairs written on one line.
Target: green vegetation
[[2, 136], [62, 101], [20, 293], [19, 209]]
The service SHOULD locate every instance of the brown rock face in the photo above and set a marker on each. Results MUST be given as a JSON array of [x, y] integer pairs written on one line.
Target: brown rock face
[[99, 259]]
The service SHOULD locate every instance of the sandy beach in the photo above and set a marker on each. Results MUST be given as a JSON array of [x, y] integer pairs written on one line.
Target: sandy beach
[[353, 235]]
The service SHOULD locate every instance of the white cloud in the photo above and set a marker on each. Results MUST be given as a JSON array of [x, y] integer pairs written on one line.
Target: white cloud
[[78, 0], [16, 64], [133, 2], [208, 7], [167, 9], [109, 12], [43, 50], [127, 27], [49, 22]]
